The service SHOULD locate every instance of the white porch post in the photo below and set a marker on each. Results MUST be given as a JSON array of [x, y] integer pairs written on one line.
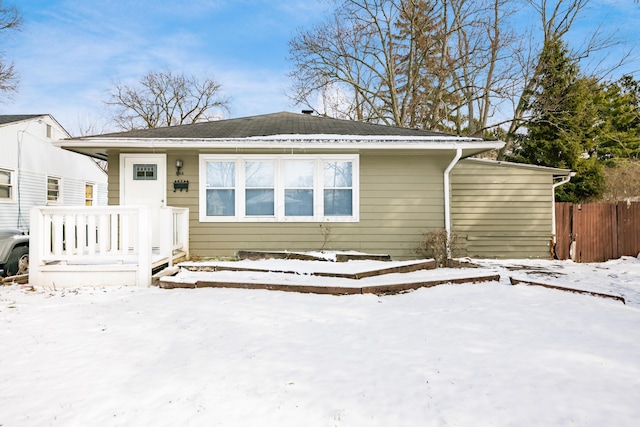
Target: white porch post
[[36, 239], [145, 230], [166, 230]]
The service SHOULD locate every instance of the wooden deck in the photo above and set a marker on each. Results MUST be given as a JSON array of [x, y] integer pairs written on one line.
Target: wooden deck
[[318, 278]]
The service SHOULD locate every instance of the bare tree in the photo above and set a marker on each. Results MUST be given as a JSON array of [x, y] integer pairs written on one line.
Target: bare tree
[[163, 98], [342, 55], [416, 63], [622, 182], [461, 66], [10, 19]]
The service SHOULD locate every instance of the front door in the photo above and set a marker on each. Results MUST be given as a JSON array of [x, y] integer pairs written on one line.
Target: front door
[[143, 180]]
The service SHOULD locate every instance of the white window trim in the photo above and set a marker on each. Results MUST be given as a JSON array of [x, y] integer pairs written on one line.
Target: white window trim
[[12, 186], [58, 201], [318, 193]]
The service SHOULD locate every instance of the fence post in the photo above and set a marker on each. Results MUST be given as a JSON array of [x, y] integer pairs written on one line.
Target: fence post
[[613, 214], [563, 230]]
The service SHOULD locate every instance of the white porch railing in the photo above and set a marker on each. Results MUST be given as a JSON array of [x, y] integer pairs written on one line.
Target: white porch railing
[[173, 232], [110, 245]]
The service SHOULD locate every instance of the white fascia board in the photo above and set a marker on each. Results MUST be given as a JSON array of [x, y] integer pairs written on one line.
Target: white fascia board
[[333, 142], [555, 171]]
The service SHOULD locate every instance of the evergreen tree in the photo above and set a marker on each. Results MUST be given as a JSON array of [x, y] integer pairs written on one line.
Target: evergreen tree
[[562, 127], [620, 121]]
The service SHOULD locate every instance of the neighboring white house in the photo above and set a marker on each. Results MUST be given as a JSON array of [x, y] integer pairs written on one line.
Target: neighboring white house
[[33, 172]]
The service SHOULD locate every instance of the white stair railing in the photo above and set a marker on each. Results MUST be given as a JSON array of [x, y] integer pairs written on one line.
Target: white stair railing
[[79, 235], [71, 236]]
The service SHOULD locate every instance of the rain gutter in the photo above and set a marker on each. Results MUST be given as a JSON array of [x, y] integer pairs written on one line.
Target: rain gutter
[[447, 198]]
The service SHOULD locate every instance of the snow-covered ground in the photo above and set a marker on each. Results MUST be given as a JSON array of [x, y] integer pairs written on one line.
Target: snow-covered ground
[[454, 355]]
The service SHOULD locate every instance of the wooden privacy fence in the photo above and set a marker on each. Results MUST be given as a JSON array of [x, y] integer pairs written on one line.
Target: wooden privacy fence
[[595, 232]]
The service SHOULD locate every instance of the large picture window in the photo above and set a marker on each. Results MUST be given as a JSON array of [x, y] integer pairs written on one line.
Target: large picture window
[[279, 188]]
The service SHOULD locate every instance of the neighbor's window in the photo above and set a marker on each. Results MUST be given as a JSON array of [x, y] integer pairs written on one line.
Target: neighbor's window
[[89, 191], [53, 190], [279, 188], [6, 184]]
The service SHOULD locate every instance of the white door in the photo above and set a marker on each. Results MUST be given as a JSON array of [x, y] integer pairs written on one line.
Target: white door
[[143, 180]]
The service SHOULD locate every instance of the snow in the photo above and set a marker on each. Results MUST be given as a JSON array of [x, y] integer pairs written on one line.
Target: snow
[[477, 354]]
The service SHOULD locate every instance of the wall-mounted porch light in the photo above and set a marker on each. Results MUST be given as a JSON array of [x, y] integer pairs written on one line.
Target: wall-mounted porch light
[[179, 167]]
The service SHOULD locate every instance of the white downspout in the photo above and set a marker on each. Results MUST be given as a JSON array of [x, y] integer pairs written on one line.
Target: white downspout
[[553, 207], [447, 198]]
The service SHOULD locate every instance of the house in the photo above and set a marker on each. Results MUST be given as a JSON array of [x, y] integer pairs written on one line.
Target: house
[[288, 181], [34, 172]]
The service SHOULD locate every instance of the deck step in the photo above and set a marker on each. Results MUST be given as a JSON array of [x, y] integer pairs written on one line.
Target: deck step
[[304, 256], [384, 289], [320, 269]]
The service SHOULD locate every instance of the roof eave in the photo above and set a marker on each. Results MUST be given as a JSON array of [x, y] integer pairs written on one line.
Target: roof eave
[[554, 171], [336, 143]]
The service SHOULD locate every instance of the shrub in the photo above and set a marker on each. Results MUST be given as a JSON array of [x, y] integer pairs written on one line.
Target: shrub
[[434, 244]]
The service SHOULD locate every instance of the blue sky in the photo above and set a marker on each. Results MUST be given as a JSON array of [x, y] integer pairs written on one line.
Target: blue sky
[[69, 52]]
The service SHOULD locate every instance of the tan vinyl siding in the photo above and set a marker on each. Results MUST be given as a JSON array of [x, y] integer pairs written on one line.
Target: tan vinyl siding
[[501, 211], [113, 172], [401, 197]]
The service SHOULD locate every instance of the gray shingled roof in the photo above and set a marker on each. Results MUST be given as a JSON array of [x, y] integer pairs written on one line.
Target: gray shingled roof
[[11, 118], [283, 123]]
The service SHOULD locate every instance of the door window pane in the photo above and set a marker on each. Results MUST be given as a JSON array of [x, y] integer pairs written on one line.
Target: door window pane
[[143, 172]]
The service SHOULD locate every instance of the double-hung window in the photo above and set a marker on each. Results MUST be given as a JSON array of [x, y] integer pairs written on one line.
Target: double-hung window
[[276, 188], [338, 188], [221, 189], [259, 188], [298, 188], [89, 194], [6, 185], [53, 190]]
